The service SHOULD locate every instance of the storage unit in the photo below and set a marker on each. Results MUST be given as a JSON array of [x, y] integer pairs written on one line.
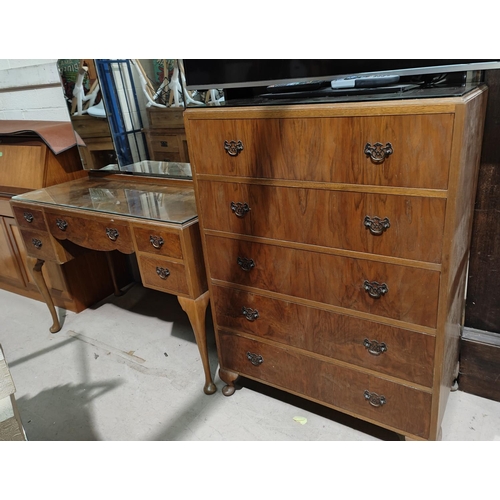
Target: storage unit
[[336, 238], [28, 163]]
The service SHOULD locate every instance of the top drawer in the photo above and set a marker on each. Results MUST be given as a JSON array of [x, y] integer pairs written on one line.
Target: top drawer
[[408, 151]]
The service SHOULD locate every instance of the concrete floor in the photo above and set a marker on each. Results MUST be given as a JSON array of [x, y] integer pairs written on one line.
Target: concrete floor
[[128, 369]]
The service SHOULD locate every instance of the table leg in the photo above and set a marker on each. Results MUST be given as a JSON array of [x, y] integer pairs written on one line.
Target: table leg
[[196, 310], [111, 267], [42, 288]]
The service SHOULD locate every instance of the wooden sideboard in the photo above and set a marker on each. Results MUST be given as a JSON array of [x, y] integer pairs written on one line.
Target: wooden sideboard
[[336, 239], [28, 163]]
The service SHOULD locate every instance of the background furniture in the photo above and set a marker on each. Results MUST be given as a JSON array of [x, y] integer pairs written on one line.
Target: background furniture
[[34, 155], [155, 219], [336, 239], [165, 136]]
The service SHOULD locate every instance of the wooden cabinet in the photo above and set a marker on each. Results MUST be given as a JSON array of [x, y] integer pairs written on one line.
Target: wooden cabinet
[[336, 238], [26, 164], [165, 136]]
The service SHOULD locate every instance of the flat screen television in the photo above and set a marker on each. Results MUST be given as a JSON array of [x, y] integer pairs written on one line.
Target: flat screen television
[[203, 74]]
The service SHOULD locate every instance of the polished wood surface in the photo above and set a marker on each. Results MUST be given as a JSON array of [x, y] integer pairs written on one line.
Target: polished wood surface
[[126, 216], [299, 283]]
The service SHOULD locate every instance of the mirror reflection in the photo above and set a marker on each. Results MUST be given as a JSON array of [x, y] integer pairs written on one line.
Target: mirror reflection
[[129, 114]]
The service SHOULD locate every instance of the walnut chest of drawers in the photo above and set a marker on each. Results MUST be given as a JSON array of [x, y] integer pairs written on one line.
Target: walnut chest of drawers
[[336, 238]]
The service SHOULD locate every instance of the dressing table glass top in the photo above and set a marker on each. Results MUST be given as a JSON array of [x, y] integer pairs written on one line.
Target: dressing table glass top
[[128, 197]]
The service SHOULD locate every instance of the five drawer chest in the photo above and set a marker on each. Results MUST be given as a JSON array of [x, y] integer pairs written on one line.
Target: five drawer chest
[[336, 240]]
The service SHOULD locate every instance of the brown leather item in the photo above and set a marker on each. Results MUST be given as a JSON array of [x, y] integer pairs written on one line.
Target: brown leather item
[[58, 135]]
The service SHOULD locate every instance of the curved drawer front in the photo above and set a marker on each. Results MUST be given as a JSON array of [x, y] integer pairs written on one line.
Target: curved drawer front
[[400, 292], [375, 398], [162, 274], [105, 234], [414, 150], [400, 226], [28, 218], [166, 243], [393, 351]]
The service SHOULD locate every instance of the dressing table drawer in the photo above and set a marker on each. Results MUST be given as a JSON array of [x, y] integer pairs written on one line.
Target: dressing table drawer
[[162, 242], [39, 245], [162, 274], [27, 217]]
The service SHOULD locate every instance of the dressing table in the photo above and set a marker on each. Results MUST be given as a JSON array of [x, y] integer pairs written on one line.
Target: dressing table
[[147, 208]]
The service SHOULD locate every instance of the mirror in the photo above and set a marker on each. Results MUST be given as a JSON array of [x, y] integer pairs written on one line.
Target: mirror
[[129, 113]]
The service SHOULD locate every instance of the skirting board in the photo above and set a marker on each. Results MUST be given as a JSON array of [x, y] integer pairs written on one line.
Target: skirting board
[[480, 364]]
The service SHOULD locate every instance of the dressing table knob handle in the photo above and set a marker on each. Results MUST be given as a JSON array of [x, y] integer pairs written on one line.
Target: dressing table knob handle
[[378, 152], [156, 241], [376, 225], [245, 264], [28, 217], [375, 348], [249, 313], [233, 148], [375, 289], [162, 272], [240, 209], [374, 399], [61, 224], [36, 243], [112, 233]]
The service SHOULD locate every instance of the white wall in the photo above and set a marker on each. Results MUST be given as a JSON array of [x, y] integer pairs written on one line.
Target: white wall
[[30, 89]]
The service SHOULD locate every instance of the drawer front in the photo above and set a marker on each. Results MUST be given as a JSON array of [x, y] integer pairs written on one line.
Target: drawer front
[[392, 351], [400, 226], [166, 156], [98, 233], [404, 293], [414, 150], [165, 143], [164, 275], [38, 244], [27, 217], [165, 243], [401, 407]]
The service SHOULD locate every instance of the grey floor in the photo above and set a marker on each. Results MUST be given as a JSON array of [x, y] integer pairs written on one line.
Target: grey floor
[[128, 369]]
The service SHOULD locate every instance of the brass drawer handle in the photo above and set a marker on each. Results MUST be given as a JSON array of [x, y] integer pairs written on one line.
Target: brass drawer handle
[[61, 224], [164, 144], [255, 359], [249, 313], [112, 233], [375, 348], [245, 264], [156, 241], [28, 217], [376, 225], [378, 152], [233, 148], [162, 272], [375, 289], [374, 399], [36, 243], [240, 209]]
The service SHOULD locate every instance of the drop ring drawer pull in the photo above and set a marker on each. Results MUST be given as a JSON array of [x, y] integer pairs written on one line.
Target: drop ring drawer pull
[[37, 243], [61, 224], [233, 148], [249, 313], [255, 359], [240, 209], [162, 272], [28, 217], [374, 399], [375, 348], [112, 233], [156, 241], [376, 225], [378, 152], [375, 289], [245, 264]]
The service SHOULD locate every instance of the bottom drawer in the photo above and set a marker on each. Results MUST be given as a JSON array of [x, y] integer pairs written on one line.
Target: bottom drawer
[[162, 274], [377, 399]]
